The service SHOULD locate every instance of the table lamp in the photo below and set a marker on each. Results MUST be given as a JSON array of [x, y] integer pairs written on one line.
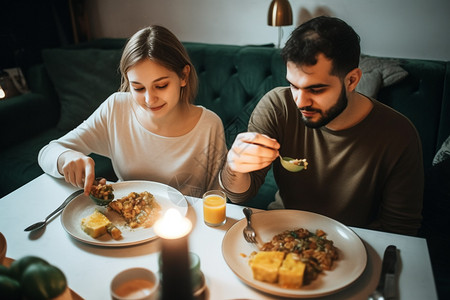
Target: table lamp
[[7, 87], [280, 14]]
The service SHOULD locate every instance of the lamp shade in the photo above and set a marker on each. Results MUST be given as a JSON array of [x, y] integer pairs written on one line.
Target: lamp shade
[[280, 13]]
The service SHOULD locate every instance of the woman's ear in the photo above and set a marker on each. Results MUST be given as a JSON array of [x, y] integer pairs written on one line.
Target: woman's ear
[[352, 79], [186, 71]]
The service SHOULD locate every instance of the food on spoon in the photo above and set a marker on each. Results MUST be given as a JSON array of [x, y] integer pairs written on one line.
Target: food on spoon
[[138, 209], [293, 164], [265, 265], [97, 224], [307, 254], [299, 162], [101, 190]]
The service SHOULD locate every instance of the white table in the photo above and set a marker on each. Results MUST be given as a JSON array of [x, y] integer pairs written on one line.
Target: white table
[[90, 269]]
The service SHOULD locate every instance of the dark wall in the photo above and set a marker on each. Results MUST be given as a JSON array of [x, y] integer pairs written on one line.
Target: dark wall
[[28, 26]]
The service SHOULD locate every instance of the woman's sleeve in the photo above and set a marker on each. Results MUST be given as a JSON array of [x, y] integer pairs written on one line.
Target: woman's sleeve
[[91, 136]]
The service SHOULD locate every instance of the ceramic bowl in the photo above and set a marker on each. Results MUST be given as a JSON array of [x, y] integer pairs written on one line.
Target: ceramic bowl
[[135, 284]]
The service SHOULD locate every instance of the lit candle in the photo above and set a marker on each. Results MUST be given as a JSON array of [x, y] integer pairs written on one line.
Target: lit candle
[[174, 229]]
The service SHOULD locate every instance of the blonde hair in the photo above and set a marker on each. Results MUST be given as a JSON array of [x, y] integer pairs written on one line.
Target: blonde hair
[[162, 46]]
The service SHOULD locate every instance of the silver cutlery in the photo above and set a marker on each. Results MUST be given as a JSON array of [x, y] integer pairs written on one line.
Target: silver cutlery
[[249, 232], [39, 225], [386, 289]]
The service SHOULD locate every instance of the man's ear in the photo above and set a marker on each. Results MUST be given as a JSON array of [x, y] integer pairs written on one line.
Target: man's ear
[[186, 71], [352, 79]]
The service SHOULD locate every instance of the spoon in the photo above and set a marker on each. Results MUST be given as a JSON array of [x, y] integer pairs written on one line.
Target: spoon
[[292, 164], [61, 207]]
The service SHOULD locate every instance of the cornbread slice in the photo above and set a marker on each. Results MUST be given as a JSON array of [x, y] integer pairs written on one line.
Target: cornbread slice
[[95, 224], [291, 272], [265, 265]]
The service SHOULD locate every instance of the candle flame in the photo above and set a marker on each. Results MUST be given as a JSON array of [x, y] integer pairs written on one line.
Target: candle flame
[[172, 225]]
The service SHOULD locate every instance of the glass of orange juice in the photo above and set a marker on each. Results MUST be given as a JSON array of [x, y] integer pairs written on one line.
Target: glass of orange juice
[[214, 208]]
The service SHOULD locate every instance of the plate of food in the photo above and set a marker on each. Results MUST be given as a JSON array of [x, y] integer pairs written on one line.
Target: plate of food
[[320, 256], [126, 220]]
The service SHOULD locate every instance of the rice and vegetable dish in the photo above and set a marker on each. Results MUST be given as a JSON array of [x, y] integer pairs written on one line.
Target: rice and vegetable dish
[[138, 209]]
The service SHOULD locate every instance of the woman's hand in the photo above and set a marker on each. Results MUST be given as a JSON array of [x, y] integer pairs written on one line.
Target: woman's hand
[[78, 169], [252, 151]]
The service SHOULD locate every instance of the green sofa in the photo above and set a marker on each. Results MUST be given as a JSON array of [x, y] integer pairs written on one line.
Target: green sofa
[[71, 82]]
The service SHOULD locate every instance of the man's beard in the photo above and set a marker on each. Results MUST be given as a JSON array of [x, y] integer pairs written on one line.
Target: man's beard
[[330, 114]]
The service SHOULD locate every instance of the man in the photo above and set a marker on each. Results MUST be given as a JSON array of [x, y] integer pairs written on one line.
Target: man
[[365, 159]]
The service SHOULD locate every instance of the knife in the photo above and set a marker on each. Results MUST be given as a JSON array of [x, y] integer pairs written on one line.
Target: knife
[[387, 288]]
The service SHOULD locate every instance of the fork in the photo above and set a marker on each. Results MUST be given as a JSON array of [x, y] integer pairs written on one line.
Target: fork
[[249, 232]]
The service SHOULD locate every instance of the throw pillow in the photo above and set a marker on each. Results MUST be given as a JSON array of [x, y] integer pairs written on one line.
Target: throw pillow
[[83, 79], [443, 153], [378, 73]]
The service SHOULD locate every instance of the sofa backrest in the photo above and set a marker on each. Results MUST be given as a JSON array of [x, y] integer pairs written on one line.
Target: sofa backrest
[[424, 97], [233, 78]]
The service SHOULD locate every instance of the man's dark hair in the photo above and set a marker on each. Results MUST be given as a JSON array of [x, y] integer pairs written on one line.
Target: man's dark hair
[[328, 35]]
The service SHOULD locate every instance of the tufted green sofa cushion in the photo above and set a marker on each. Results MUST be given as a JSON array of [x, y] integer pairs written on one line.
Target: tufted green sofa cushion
[[82, 80], [232, 85]]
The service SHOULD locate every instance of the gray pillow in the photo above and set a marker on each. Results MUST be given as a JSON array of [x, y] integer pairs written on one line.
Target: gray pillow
[[443, 153], [378, 73], [83, 79]]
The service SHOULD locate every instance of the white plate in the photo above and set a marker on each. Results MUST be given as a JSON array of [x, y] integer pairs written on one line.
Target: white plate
[[82, 206], [350, 265]]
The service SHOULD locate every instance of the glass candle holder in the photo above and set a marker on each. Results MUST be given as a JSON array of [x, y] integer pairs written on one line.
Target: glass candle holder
[[135, 284], [196, 275]]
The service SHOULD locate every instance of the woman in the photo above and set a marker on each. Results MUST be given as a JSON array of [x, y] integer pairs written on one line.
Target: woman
[[150, 129]]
